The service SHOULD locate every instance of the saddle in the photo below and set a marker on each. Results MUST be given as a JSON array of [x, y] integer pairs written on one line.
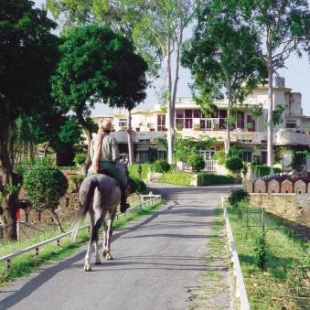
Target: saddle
[[106, 172]]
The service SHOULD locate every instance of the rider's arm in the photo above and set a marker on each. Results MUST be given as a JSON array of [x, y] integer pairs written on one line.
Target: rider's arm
[[115, 151]]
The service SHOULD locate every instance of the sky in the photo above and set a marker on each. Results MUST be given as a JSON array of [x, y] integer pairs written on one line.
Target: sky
[[296, 74]]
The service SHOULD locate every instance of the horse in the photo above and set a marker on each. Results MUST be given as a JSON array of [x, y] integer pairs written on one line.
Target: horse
[[99, 195]]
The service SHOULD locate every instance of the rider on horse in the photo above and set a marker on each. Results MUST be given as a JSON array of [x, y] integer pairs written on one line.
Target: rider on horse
[[104, 153]]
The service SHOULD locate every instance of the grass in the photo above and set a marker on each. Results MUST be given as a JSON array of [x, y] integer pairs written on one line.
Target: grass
[[177, 178], [213, 283], [287, 272], [25, 264]]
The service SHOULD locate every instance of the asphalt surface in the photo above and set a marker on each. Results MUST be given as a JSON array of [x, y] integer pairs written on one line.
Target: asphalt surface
[[156, 263]]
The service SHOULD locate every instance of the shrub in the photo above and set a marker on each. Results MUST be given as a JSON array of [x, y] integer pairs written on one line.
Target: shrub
[[80, 158], [44, 186], [75, 181], [234, 164], [136, 185], [261, 251], [237, 196], [214, 179], [133, 170], [196, 161], [161, 166]]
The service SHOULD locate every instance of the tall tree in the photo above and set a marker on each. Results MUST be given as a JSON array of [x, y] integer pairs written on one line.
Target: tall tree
[[283, 28], [223, 66], [156, 28], [27, 59], [98, 64]]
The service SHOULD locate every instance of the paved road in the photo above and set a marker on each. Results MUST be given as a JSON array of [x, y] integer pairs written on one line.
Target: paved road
[[157, 262]]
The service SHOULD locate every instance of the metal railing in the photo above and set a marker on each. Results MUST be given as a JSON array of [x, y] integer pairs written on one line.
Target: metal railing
[[152, 199], [240, 287]]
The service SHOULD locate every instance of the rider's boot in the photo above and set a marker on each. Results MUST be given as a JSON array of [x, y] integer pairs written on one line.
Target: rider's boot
[[124, 204]]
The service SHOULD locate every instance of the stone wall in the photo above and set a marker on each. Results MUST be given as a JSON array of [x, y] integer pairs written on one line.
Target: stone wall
[[292, 207]]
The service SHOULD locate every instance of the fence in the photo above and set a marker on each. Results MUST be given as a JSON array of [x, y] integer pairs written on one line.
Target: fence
[[146, 200], [240, 287]]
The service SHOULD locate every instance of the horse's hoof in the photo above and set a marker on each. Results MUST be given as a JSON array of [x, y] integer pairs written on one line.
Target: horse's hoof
[[87, 268], [98, 262], [109, 257]]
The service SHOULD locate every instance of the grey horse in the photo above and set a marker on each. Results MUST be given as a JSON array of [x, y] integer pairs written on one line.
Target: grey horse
[[99, 195]]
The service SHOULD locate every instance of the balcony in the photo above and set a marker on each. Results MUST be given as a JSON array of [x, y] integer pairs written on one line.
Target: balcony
[[291, 136], [138, 136]]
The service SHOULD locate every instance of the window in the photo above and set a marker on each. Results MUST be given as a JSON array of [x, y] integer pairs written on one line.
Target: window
[[122, 123], [291, 123], [207, 154], [161, 122]]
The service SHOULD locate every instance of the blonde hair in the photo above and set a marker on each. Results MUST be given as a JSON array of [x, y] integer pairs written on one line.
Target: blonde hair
[[104, 125]]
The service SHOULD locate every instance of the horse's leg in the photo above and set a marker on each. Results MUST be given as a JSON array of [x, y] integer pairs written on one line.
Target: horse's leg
[[87, 266], [108, 231], [95, 237]]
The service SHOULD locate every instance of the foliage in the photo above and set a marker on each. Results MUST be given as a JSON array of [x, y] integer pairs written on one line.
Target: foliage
[[161, 166], [261, 251], [79, 158], [277, 118], [28, 58], [136, 185], [44, 186], [145, 169], [196, 161], [177, 178], [75, 181], [220, 157], [238, 196], [168, 18], [254, 111], [226, 66], [97, 65], [299, 158], [205, 179], [276, 288], [263, 170], [234, 164], [185, 147]]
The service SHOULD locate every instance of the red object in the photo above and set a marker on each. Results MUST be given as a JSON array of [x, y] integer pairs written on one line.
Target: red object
[[18, 214]]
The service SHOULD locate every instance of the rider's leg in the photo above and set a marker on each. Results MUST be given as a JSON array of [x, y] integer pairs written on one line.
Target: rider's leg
[[117, 175]]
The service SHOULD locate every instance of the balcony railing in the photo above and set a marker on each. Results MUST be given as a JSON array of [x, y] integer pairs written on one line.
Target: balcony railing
[[210, 165]]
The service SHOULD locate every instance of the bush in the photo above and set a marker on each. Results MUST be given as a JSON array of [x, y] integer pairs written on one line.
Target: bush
[[133, 170], [234, 164], [136, 185], [237, 196], [214, 179], [79, 159], [75, 181], [196, 161], [44, 186], [177, 178], [262, 170], [161, 166]]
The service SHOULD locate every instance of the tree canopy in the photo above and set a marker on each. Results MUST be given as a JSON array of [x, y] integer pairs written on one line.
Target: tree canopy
[[98, 65], [226, 66], [27, 59]]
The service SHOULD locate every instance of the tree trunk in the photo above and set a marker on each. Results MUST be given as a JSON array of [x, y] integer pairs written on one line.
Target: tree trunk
[[8, 217], [56, 219], [269, 118], [9, 186], [130, 143]]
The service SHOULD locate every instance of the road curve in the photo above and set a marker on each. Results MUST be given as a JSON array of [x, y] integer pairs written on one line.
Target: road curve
[[156, 262]]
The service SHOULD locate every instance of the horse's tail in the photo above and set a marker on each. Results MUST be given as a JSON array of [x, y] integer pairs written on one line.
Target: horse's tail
[[86, 194]]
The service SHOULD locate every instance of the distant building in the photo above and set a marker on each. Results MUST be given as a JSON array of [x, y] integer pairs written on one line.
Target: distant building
[[247, 131]]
